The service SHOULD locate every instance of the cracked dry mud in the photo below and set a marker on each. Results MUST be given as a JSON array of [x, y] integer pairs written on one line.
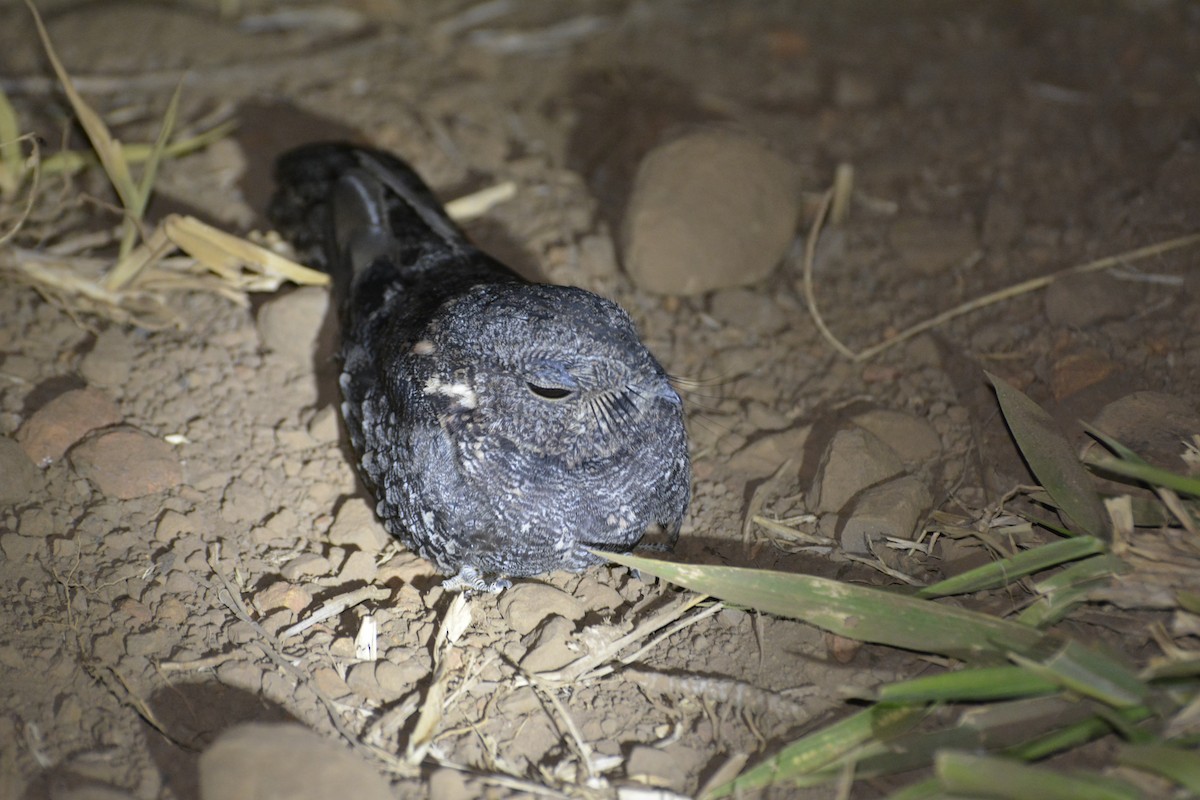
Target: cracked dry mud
[[148, 584]]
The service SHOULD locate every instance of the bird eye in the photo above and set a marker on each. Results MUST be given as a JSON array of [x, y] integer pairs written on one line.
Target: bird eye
[[549, 392]]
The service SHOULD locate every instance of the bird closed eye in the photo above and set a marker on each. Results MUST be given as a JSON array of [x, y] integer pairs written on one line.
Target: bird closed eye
[[549, 392]]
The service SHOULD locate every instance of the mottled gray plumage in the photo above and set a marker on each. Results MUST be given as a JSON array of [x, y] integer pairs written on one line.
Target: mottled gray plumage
[[504, 426]]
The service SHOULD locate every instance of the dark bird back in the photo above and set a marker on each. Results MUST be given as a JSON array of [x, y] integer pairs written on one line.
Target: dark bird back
[[504, 426]]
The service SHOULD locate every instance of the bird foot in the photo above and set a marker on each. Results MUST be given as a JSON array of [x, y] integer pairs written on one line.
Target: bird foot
[[469, 579]]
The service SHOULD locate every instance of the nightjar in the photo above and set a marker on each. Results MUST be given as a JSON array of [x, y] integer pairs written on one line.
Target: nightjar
[[504, 427]]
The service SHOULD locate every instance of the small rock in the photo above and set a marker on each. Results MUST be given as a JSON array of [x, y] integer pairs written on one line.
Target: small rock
[[171, 524], [549, 649], [595, 595], [397, 679], [853, 460], [913, 438], [405, 567], [330, 682], [764, 455], [356, 525], [453, 784], [1077, 371], [1154, 425], [383, 681], [1080, 301], [20, 548], [709, 210], [932, 246], [110, 360], [126, 463], [323, 427], [282, 594], [748, 310], [525, 605], [242, 502], [283, 760], [889, 509], [306, 565], [359, 566], [665, 767], [289, 324], [21, 478], [62, 422]]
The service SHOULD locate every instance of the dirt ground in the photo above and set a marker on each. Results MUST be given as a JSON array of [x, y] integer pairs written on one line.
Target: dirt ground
[[146, 588]]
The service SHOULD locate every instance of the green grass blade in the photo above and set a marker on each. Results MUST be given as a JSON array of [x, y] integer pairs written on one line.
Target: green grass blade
[[1146, 473], [982, 683], [821, 748], [1173, 763], [1052, 460], [1006, 779], [69, 162], [1067, 589], [1076, 733], [12, 163], [1089, 673], [1007, 570], [856, 612], [126, 269]]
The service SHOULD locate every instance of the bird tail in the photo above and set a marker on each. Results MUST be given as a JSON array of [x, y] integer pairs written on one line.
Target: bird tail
[[343, 207]]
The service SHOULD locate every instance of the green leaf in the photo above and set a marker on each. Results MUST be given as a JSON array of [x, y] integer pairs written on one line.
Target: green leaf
[[1089, 673], [1146, 473], [1052, 460], [856, 612], [1174, 763], [1006, 779], [821, 748], [981, 683], [1010, 569], [1070, 587]]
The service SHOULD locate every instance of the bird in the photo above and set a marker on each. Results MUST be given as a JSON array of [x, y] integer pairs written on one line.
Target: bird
[[506, 428]]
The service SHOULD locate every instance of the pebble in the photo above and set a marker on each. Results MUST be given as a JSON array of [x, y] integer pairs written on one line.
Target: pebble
[[21, 477], [932, 246], [1080, 301], [282, 594], [748, 310], [289, 324], [62, 422], [384, 681], [709, 210], [853, 460], [1154, 425], [323, 427], [764, 455], [126, 463], [1075, 372], [272, 761], [889, 509], [306, 565], [359, 566], [526, 605], [171, 524], [356, 526], [549, 649], [914, 439], [110, 360], [243, 502]]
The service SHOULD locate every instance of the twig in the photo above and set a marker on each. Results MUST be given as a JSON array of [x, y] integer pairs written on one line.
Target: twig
[[1025, 287], [231, 597], [335, 606]]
